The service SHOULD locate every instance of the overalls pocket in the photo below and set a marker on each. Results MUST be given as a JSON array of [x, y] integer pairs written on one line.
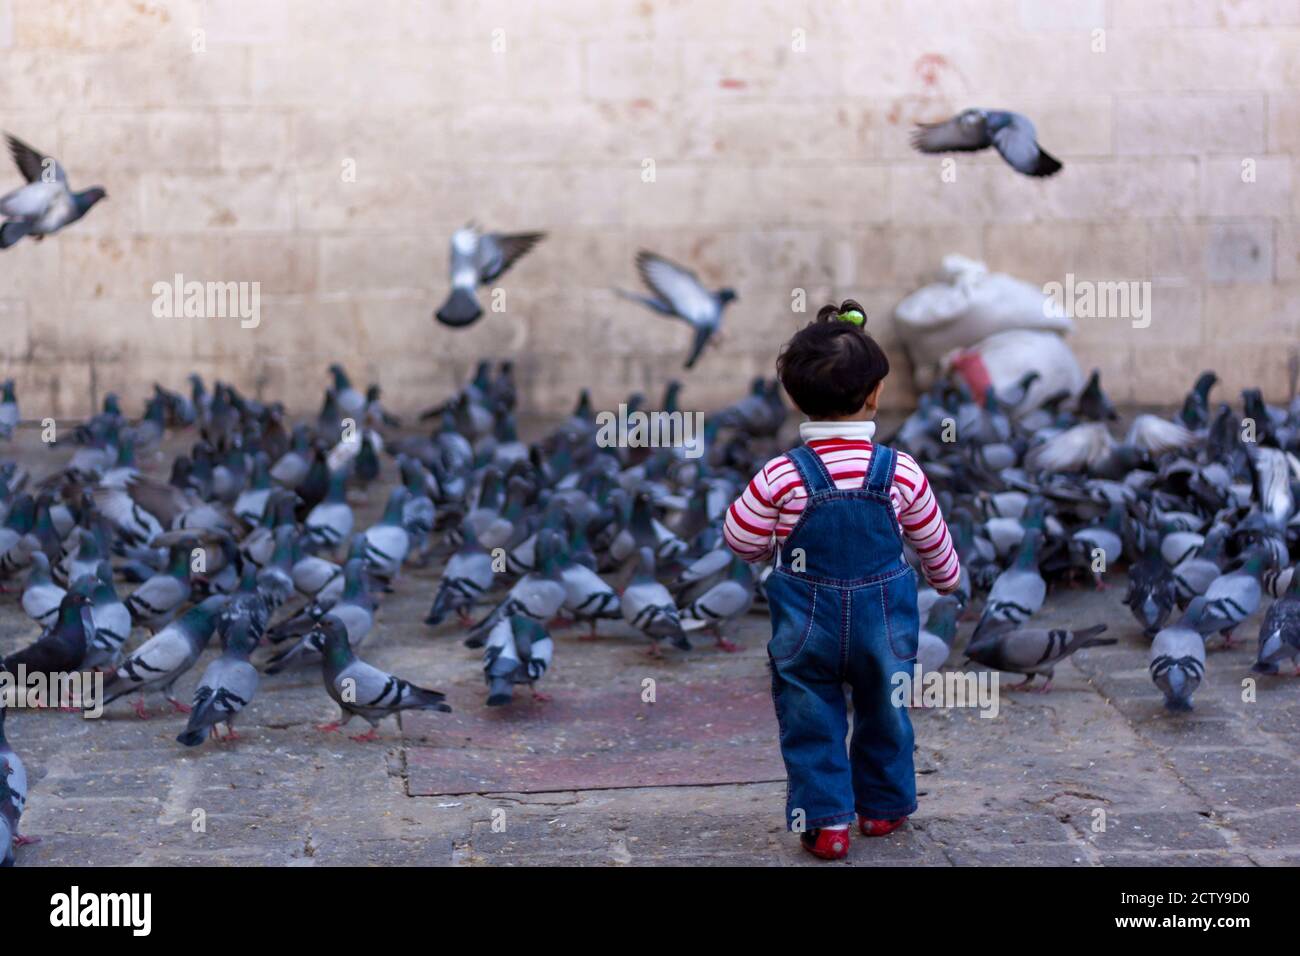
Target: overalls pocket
[[794, 608], [902, 621]]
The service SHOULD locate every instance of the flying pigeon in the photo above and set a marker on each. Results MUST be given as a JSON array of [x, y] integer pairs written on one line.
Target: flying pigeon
[[8, 409], [476, 259], [676, 292], [46, 204], [1011, 134]]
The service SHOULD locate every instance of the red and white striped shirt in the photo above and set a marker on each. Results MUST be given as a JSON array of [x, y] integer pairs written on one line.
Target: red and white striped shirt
[[766, 512]]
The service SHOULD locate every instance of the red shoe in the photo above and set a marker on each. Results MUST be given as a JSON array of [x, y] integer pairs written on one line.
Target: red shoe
[[826, 844], [874, 828]]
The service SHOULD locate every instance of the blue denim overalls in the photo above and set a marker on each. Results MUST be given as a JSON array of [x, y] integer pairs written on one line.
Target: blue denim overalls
[[843, 603]]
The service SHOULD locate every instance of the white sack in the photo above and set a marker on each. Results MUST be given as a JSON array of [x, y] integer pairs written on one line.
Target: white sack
[[1003, 359], [971, 305]]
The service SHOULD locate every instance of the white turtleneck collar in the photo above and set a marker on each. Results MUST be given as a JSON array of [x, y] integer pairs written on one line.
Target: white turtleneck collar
[[854, 431]]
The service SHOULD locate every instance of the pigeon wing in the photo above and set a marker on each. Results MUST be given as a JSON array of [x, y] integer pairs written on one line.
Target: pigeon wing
[[677, 286], [702, 335], [30, 201], [165, 502], [949, 136], [373, 688], [1017, 144], [1156, 435], [33, 165], [497, 251]]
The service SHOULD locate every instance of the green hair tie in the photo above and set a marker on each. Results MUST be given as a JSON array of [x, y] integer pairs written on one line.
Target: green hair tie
[[853, 317]]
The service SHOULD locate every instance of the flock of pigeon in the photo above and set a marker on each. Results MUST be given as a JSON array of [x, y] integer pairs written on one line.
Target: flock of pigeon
[[1200, 508], [251, 537], [47, 203]]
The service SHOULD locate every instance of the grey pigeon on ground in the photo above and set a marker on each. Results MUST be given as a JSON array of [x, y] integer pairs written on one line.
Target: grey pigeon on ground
[[1279, 634], [354, 610], [62, 648], [476, 259], [330, 522], [538, 594], [156, 601], [934, 643], [678, 293], [159, 661], [1231, 598], [648, 606], [1018, 592], [387, 542], [364, 691], [467, 576], [1152, 590], [1197, 571], [727, 600], [518, 651], [587, 596], [13, 797], [1177, 662], [226, 686], [41, 597], [1011, 134], [1032, 651], [46, 204], [110, 619]]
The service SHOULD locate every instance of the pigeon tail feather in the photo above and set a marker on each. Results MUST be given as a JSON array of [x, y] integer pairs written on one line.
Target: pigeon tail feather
[[460, 309], [11, 232]]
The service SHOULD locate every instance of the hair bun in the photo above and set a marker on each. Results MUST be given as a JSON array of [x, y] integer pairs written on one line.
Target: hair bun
[[850, 311]]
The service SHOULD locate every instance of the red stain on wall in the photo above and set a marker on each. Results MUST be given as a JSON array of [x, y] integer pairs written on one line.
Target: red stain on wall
[[928, 66]]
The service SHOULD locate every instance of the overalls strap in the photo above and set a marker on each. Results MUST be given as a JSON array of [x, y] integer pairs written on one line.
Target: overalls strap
[[880, 474], [811, 469]]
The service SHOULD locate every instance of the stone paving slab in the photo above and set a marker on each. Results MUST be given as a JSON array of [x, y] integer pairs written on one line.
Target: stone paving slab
[[692, 734], [1218, 786]]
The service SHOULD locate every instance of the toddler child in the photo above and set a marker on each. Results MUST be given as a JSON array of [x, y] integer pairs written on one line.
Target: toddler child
[[835, 511]]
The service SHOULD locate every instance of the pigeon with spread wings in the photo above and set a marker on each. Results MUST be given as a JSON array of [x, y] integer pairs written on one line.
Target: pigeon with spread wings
[[675, 291], [476, 259], [1011, 134], [45, 204]]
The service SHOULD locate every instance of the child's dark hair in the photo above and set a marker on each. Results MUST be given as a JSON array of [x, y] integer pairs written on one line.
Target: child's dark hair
[[831, 365]]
